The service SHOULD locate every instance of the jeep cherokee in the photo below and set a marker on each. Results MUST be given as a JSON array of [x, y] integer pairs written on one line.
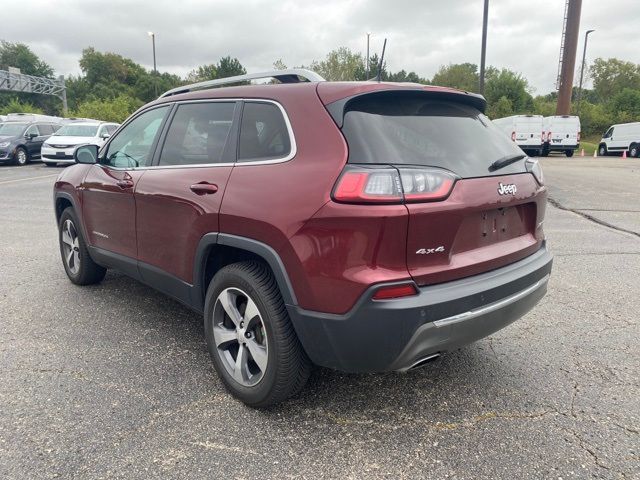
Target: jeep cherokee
[[360, 226]]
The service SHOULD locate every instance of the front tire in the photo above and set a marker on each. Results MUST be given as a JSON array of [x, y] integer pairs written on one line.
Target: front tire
[[20, 157], [602, 150], [80, 267], [250, 338]]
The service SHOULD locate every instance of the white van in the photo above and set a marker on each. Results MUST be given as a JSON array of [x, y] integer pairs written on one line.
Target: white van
[[526, 130], [620, 138], [562, 134]]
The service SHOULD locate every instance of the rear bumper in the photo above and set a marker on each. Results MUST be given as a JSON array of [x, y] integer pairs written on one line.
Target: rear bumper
[[395, 334], [558, 147]]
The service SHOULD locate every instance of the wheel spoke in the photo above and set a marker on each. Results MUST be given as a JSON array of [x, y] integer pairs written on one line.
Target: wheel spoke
[[227, 301], [240, 366], [69, 257], [258, 353], [251, 311], [76, 260], [224, 336], [66, 238]]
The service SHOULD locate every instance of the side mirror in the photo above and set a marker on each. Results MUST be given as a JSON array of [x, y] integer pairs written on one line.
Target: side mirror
[[31, 135], [104, 136], [87, 154]]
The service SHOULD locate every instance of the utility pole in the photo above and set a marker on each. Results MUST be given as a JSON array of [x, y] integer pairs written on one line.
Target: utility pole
[[483, 54], [584, 56], [155, 70], [368, 35], [570, 46]]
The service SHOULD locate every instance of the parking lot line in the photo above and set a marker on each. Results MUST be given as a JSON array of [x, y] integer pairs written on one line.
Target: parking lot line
[[28, 178]]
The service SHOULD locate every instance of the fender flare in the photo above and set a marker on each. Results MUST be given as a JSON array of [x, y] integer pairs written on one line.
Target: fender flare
[[263, 250]]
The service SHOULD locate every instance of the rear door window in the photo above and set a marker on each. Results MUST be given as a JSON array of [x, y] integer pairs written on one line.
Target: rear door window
[[418, 130], [264, 134], [198, 134]]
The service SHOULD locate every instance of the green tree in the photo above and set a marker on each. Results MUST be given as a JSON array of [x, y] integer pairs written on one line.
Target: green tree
[[341, 65], [230, 67], [502, 108], [460, 75], [203, 73], [110, 110], [279, 65], [20, 56], [512, 86], [611, 76], [16, 106], [625, 105]]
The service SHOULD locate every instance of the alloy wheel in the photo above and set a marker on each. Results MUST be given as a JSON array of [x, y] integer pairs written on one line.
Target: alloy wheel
[[21, 157], [71, 246], [240, 336]]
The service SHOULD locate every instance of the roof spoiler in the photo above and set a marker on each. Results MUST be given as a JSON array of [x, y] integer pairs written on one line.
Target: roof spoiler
[[336, 109]]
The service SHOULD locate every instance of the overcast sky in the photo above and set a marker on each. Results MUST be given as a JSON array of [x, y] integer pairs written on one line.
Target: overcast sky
[[422, 34]]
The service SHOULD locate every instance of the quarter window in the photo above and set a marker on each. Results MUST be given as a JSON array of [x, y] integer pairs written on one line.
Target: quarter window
[[263, 133], [31, 130], [198, 134], [132, 147]]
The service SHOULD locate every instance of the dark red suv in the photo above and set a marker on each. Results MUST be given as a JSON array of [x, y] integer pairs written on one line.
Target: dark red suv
[[360, 226]]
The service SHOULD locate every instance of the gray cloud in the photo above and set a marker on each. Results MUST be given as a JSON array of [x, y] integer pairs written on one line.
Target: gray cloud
[[423, 34]]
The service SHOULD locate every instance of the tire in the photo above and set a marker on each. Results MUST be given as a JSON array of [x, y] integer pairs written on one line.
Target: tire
[[568, 153], [51, 164], [602, 150], [80, 267], [634, 150], [21, 157], [274, 364]]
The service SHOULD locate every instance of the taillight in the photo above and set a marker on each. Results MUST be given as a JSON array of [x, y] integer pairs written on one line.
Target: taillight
[[395, 291], [513, 136], [578, 136], [364, 184], [534, 168], [548, 136]]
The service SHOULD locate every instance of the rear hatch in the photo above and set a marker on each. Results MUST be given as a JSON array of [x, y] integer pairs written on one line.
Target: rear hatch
[[529, 130], [563, 131], [486, 217]]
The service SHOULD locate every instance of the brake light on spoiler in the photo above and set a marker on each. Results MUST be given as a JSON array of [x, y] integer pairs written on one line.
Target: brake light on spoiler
[[364, 184]]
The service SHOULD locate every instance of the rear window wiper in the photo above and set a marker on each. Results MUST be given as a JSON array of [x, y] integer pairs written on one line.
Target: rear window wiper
[[507, 160]]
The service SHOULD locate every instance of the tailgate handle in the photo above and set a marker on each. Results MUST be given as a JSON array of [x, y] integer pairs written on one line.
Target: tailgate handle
[[204, 188]]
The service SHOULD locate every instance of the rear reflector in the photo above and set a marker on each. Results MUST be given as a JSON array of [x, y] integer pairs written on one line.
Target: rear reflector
[[395, 291], [363, 184]]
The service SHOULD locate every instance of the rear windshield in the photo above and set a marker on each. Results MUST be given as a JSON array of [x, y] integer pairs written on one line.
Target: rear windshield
[[414, 130]]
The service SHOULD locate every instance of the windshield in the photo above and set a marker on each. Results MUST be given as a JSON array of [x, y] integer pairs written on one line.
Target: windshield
[[415, 130], [12, 129], [77, 131]]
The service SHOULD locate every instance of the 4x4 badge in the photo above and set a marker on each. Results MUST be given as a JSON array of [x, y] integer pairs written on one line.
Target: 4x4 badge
[[427, 251], [507, 189]]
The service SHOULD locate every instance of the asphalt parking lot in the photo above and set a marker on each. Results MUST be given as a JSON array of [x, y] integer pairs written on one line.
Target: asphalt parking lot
[[114, 381]]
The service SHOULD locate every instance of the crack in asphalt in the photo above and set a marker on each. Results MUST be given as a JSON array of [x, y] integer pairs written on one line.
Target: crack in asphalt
[[591, 218]]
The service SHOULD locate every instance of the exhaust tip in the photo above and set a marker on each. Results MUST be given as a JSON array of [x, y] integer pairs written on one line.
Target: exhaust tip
[[423, 361]]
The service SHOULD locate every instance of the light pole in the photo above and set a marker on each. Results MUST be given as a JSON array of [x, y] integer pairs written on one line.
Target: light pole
[[155, 71], [368, 35], [483, 53], [584, 55]]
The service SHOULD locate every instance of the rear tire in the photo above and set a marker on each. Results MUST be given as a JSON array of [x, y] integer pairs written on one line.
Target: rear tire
[[602, 150], [634, 150], [569, 153], [257, 355], [80, 267], [21, 157]]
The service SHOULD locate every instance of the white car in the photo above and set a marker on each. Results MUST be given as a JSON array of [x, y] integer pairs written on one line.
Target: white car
[[619, 138], [60, 146]]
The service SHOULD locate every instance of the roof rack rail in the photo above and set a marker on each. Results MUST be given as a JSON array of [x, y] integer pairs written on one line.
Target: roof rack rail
[[292, 75]]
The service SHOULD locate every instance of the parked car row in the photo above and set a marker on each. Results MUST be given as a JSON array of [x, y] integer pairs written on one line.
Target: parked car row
[[538, 135], [26, 137]]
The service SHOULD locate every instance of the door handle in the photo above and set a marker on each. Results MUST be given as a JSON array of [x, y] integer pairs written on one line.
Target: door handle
[[204, 188], [125, 183]]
